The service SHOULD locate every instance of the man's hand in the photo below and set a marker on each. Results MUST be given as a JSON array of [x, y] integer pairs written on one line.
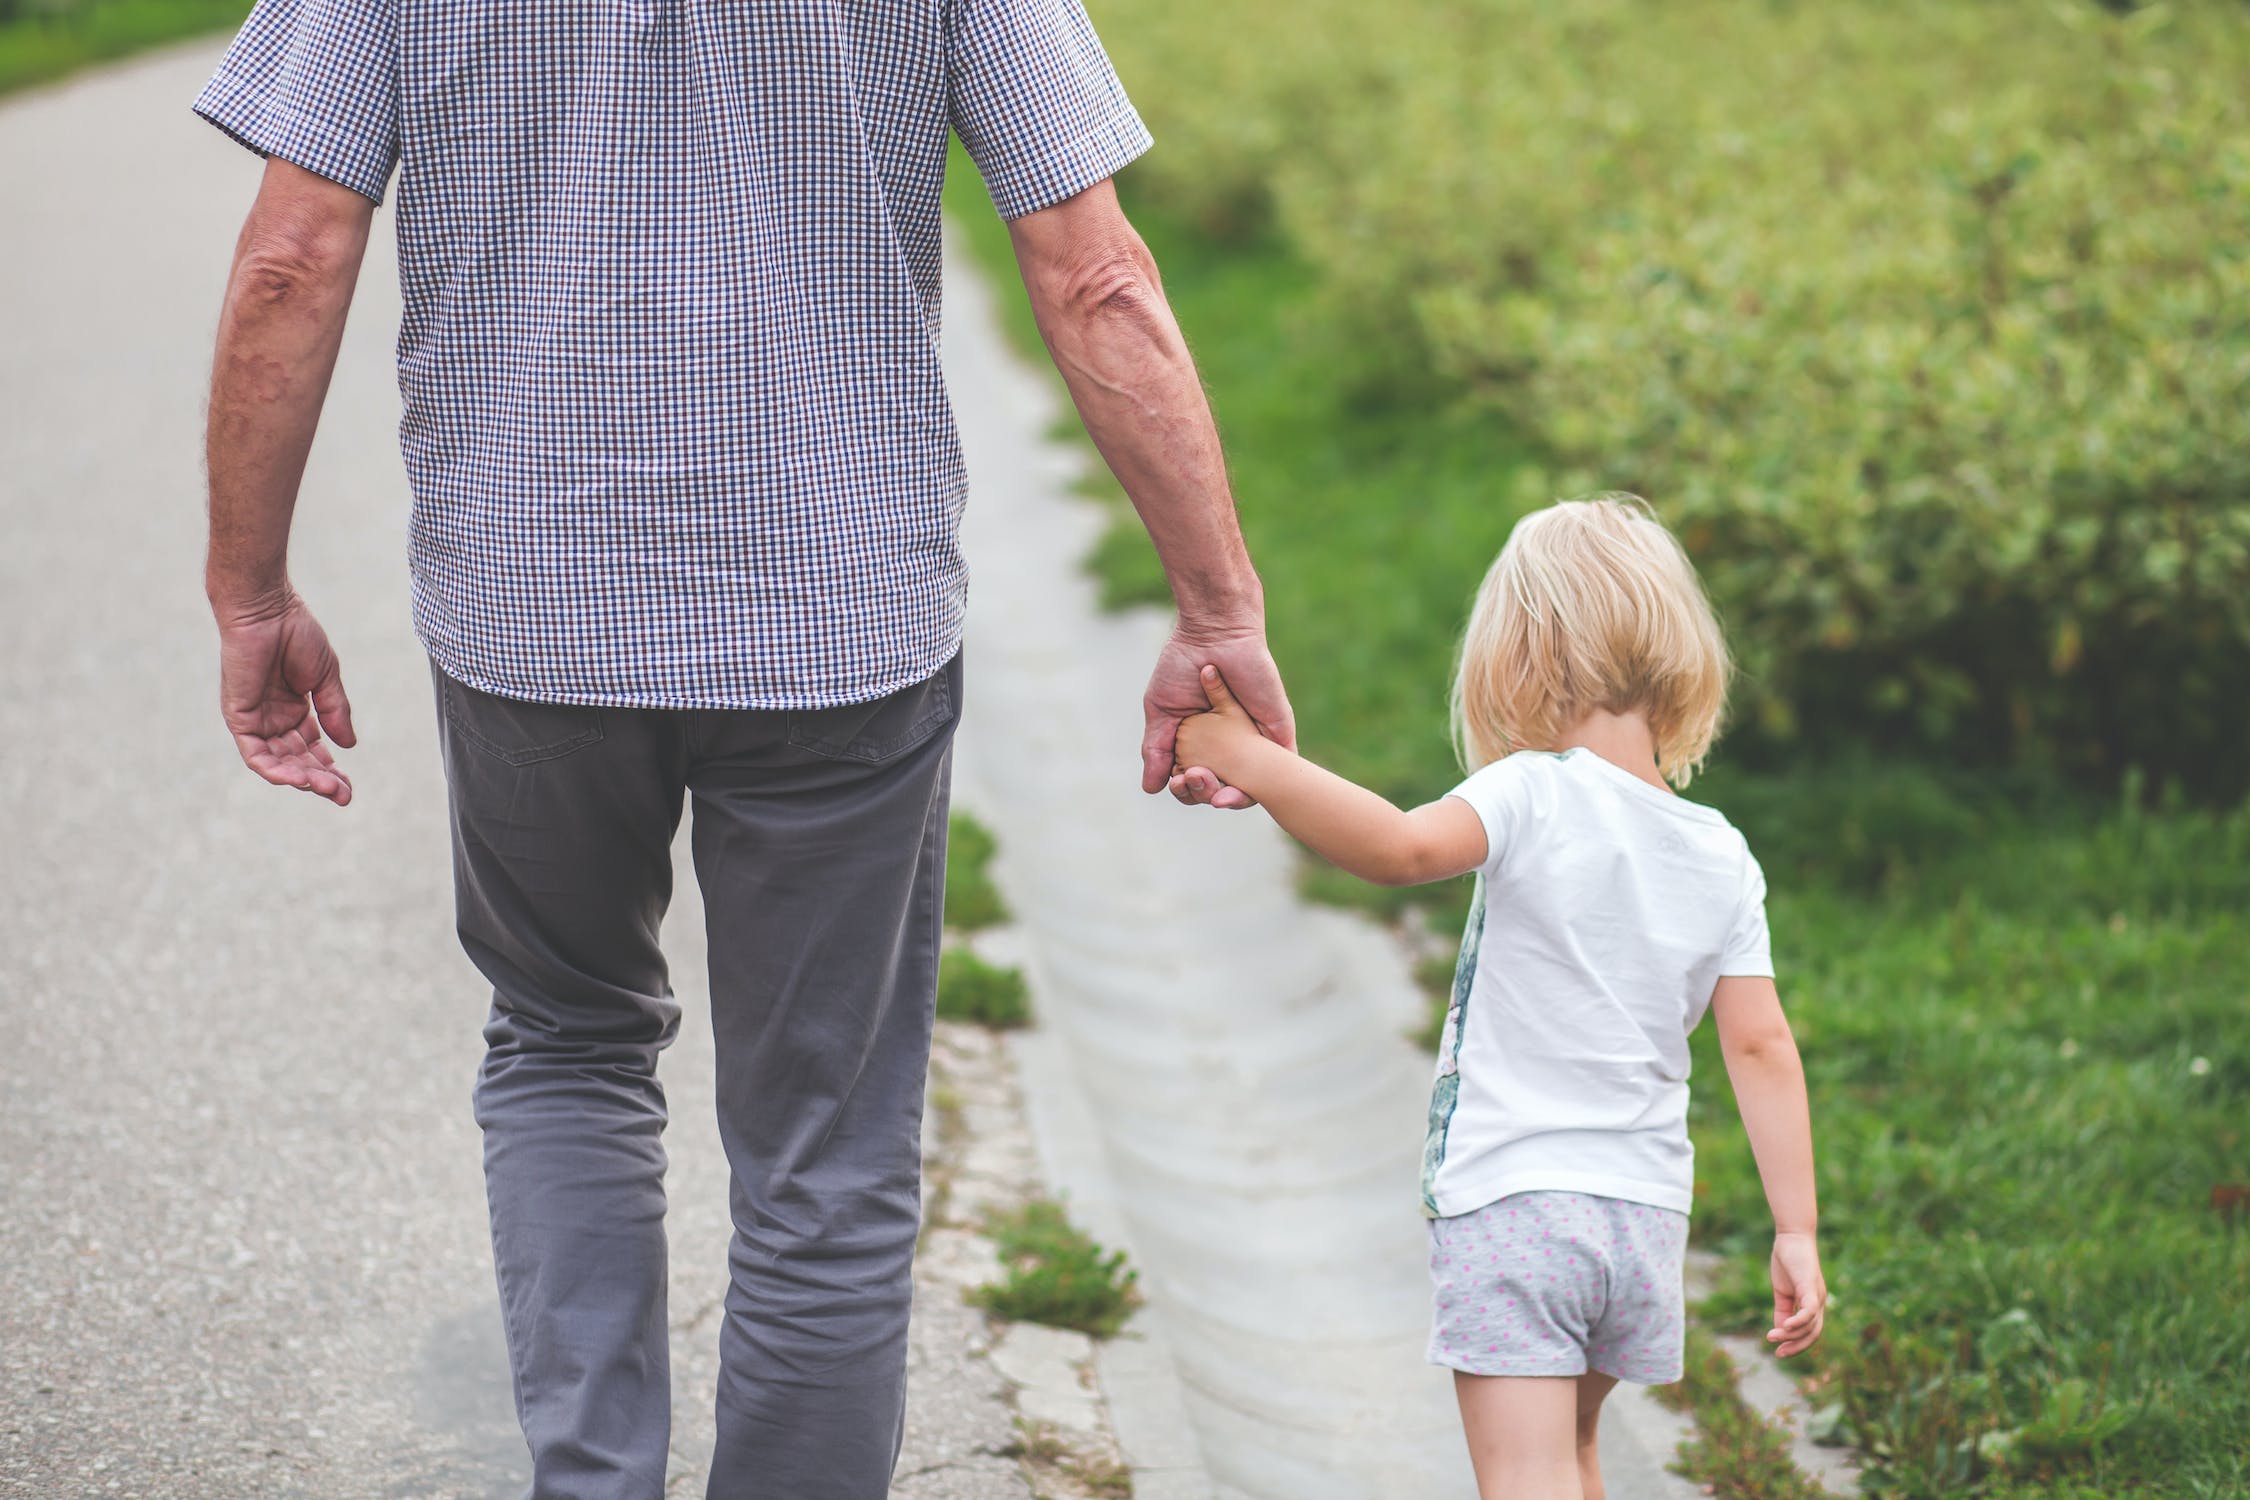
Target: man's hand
[[1100, 304], [287, 298], [279, 689], [1800, 1294], [1175, 690]]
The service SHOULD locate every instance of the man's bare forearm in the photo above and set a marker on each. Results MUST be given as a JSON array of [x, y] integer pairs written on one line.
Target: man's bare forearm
[[1101, 309], [287, 298]]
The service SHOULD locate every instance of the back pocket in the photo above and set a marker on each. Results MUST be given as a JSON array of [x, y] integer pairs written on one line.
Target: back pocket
[[876, 731], [515, 730]]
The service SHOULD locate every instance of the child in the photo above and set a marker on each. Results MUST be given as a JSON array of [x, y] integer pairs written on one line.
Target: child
[[1609, 914]]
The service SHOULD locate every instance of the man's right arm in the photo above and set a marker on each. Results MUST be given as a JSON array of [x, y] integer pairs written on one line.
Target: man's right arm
[[295, 268], [1101, 309]]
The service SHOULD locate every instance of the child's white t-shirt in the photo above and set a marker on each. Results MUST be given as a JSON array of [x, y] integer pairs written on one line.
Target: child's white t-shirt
[[1606, 910]]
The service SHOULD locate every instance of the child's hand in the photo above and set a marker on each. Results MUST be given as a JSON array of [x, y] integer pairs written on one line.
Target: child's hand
[[1800, 1295], [1214, 740]]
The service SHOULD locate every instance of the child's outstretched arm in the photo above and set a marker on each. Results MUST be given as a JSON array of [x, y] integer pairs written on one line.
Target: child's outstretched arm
[[1346, 824], [1769, 1088]]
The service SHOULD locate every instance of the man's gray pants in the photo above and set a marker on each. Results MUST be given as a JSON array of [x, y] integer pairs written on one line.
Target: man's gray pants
[[819, 842]]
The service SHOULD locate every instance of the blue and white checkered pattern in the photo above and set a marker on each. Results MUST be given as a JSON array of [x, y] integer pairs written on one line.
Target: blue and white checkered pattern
[[673, 413]]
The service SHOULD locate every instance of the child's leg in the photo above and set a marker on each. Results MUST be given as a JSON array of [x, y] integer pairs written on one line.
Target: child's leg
[[1520, 1435], [1593, 1388]]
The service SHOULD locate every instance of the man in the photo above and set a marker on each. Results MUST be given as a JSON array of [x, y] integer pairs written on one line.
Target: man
[[686, 490]]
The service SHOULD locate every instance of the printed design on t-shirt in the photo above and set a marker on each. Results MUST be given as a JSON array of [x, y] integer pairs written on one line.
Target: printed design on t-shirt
[[1445, 1093]]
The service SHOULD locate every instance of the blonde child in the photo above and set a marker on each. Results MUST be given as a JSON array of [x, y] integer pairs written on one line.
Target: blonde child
[[1609, 914]]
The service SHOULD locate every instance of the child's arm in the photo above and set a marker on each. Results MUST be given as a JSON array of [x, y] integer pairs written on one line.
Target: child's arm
[[1769, 1087], [1347, 825]]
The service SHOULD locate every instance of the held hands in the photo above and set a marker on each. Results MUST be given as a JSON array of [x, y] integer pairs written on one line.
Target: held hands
[[1176, 692], [1800, 1294], [1216, 738], [279, 688]]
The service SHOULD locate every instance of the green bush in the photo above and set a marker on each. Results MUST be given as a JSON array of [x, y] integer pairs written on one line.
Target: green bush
[[969, 989], [1928, 325], [972, 901], [1057, 1274]]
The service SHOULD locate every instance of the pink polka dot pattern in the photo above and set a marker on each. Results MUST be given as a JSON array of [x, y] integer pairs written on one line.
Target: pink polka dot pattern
[[1559, 1283]]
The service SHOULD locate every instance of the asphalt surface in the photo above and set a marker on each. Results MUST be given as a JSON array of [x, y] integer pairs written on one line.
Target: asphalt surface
[[242, 1235]]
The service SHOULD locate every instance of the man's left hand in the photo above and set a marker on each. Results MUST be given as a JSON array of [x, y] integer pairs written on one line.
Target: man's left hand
[[1175, 690]]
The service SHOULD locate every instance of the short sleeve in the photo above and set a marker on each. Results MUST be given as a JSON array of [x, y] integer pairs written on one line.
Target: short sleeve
[[1501, 795], [1749, 947], [314, 82], [1035, 100]]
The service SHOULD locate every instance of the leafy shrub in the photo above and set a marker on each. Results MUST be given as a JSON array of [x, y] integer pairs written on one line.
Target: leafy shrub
[[1057, 1274], [969, 989], [972, 901], [1928, 325]]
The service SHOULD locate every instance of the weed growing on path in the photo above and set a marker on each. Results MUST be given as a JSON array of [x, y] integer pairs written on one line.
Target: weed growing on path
[[1735, 1451], [1055, 1462], [1057, 1274], [969, 989], [972, 901]]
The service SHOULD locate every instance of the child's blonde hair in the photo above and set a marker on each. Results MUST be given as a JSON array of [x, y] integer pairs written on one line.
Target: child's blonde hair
[[1591, 605]]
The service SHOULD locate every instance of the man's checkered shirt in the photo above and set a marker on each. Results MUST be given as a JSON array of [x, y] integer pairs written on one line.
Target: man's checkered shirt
[[673, 415]]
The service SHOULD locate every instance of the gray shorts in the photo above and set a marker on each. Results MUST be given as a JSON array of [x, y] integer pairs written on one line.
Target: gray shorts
[[1559, 1283]]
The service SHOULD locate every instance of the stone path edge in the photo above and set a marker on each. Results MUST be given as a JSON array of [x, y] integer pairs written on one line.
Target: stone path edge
[[1139, 1379]]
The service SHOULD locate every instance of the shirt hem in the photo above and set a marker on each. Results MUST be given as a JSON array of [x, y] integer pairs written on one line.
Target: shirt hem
[[755, 700], [1467, 1198]]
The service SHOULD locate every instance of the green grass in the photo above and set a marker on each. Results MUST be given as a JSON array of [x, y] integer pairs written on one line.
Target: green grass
[[1057, 1274], [39, 45], [972, 901], [2023, 1014], [969, 989], [2030, 1066]]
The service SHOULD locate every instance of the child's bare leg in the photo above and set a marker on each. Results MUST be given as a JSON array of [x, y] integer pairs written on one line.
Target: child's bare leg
[[1520, 1435], [1593, 1388]]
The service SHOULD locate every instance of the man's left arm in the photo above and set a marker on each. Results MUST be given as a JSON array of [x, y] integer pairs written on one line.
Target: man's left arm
[[295, 268], [1039, 109]]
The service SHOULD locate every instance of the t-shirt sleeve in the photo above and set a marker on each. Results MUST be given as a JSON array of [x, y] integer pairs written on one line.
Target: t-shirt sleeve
[[1501, 795], [1035, 101], [314, 82], [1749, 946]]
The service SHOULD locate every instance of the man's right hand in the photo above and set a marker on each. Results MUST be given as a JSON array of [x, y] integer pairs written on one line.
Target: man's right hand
[[280, 690]]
